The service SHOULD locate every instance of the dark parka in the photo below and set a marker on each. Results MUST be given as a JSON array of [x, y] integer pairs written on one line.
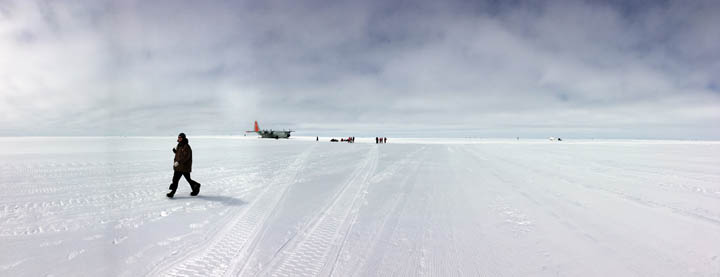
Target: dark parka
[[183, 155]]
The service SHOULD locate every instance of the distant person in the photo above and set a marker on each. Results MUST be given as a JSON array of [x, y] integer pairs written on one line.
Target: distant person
[[317, 138], [384, 140], [376, 140], [182, 166]]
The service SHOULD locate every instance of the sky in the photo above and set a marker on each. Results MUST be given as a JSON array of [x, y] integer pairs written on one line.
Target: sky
[[529, 69]]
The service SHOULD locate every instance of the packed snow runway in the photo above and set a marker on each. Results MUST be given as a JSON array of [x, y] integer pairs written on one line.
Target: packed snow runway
[[426, 207]]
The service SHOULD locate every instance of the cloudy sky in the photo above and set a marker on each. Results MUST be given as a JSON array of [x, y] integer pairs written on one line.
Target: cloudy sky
[[574, 69]]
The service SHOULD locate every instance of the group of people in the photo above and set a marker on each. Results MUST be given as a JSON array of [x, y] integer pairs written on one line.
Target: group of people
[[380, 140], [348, 140]]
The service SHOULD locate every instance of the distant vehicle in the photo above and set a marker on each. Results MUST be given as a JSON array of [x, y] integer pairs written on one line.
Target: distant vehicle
[[270, 133], [554, 139]]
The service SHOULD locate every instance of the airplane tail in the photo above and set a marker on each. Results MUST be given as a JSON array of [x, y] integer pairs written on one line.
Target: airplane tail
[[255, 130]]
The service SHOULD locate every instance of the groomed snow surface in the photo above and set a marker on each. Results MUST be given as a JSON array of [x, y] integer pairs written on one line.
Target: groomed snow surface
[[425, 207]]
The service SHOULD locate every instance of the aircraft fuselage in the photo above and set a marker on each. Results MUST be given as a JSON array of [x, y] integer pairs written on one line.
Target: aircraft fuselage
[[273, 134]]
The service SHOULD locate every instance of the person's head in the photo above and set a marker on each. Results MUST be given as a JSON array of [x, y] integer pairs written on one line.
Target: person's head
[[181, 137]]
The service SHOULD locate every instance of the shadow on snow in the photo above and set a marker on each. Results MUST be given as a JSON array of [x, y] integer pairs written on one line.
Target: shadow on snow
[[225, 200]]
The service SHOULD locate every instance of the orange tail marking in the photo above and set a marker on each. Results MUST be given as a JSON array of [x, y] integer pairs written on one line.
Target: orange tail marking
[[257, 129]]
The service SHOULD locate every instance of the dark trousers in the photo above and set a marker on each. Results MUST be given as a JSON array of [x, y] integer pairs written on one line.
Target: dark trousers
[[176, 178]]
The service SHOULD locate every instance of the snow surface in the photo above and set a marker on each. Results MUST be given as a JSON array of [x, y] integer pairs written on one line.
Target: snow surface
[[412, 207]]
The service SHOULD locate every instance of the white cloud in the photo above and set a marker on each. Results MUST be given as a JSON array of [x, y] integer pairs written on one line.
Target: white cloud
[[149, 68]]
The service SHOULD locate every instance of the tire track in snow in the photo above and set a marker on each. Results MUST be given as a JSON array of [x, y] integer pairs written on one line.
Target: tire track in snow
[[308, 256], [71, 205], [500, 192], [555, 208], [639, 182], [80, 212], [390, 215], [409, 161], [217, 259]]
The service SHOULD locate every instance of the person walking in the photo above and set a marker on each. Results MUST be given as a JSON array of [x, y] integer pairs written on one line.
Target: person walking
[[182, 166]]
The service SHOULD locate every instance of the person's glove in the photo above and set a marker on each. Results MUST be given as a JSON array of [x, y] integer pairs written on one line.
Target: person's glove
[[174, 151], [176, 164]]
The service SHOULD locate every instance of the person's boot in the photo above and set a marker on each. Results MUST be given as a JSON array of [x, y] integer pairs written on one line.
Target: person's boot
[[196, 189], [170, 194]]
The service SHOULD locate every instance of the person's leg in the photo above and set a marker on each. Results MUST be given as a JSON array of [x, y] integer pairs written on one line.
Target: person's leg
[[195, 186], [175, 180], [190, 181], [174, 185]]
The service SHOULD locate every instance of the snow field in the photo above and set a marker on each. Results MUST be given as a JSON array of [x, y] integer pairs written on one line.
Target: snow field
[[418, 207]]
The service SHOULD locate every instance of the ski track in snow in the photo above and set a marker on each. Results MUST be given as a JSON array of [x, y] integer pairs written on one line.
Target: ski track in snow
[[425, 209]]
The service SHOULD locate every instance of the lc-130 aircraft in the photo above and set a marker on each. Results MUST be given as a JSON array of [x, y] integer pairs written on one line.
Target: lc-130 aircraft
[[270, 133]]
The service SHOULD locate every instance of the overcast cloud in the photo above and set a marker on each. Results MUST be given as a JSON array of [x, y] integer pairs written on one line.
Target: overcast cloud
[[576, 69]]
